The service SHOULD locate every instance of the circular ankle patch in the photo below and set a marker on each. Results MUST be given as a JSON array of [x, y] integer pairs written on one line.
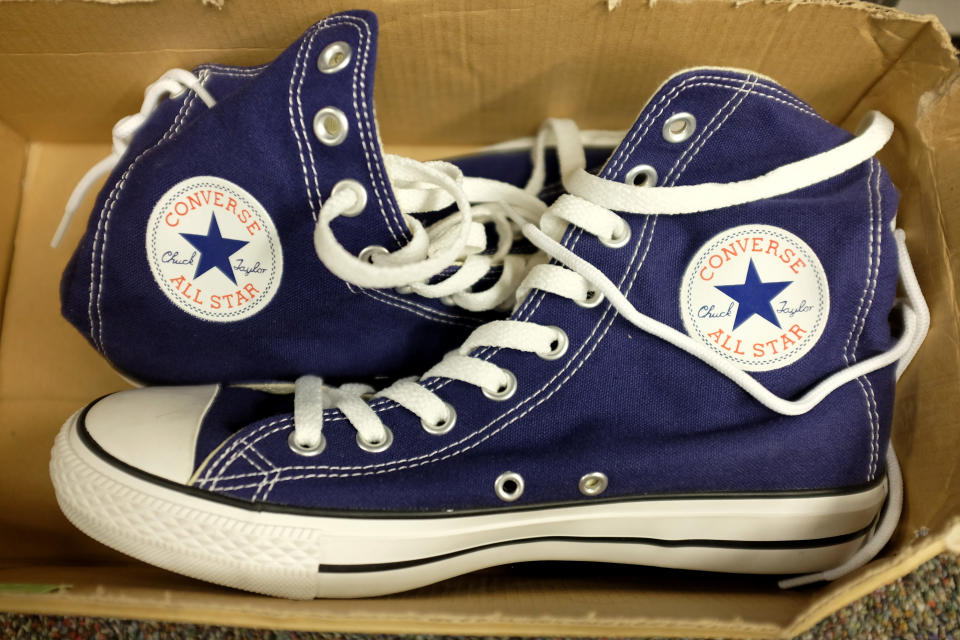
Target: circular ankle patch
[[213, 250], [756, 295]]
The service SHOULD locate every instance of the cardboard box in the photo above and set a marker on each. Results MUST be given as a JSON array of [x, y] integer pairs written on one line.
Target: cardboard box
[[453, 75]]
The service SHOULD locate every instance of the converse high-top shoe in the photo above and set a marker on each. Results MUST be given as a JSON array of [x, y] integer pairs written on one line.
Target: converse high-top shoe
[[702, 378], [199, 263]]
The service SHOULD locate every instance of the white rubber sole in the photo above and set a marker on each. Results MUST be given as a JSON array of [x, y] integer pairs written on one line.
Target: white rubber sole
[[295, 555]]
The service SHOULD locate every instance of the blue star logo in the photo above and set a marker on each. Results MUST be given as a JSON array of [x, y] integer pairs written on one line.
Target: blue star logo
[[215, 250], [753, 297]]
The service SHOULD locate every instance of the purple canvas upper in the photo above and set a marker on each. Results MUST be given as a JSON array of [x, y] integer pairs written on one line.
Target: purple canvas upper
[[653, 418]]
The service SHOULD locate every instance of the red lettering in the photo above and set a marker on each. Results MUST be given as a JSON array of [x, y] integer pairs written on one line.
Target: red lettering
[[796, 266], [772, 246], [758, 350], [214, 302], [232, 205], [179, 280], [703, 277], [253, 225], [218, 199], [797, 331], [194, 200], [252, 290], [175, 222], [716, 335], [756, 245], [787, 256]]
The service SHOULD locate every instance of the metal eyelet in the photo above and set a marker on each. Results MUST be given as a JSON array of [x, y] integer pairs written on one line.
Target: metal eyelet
[[373, 250], [376, 447], [359, 192], [443, 427], [506, 391], [642, 175], [508, 486], [334, 57], [562, 342], [330, 126], [593, 299], [301, 450], [679, 127], [593, 484], [618, 239]]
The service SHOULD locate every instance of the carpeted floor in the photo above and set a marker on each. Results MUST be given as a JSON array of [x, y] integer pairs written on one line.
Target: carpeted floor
[[923, 604]]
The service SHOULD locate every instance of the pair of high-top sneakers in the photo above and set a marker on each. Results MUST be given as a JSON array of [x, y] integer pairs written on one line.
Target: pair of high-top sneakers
[[686, 360]]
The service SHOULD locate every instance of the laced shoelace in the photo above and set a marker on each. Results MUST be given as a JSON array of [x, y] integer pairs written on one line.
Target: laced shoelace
[[459, 240], [590, 205]]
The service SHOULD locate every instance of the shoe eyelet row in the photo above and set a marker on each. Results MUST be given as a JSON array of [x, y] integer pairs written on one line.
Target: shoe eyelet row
[[330, 124]]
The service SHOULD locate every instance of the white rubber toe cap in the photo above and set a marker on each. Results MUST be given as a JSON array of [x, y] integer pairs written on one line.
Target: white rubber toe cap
[[153, 429]]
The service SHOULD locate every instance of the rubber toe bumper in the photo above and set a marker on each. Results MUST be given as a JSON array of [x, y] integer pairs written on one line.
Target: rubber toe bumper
[[153, 429]]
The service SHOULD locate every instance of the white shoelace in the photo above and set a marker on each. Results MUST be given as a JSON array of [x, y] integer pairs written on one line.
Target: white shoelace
[[588, 206], [459, 240]]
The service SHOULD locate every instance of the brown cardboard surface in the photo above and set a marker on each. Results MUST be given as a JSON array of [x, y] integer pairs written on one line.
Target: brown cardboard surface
[[472, 84], [535, 599], [13, 157], [492, 70]]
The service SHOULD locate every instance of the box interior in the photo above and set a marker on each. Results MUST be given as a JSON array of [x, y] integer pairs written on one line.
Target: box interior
[[453, 76]]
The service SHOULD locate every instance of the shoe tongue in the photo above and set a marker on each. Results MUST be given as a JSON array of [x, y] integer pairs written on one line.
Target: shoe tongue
[[307, 122], [719, 125]]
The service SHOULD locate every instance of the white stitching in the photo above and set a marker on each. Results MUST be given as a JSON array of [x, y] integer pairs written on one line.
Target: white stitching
[[106, 211], [875, 435], [627, 147], [296, 131], [849, 349], [707, 133]]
